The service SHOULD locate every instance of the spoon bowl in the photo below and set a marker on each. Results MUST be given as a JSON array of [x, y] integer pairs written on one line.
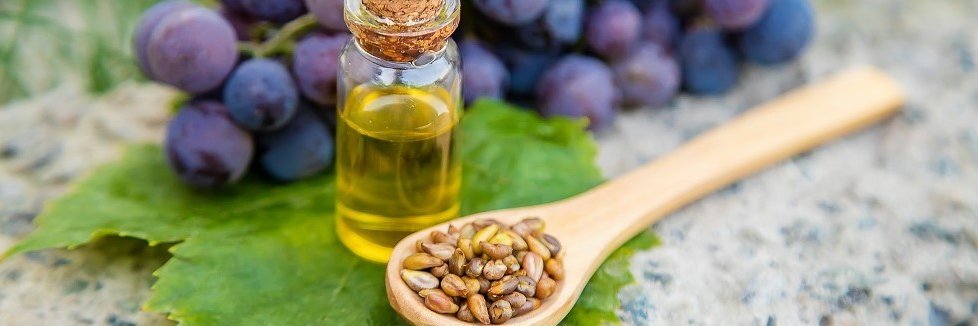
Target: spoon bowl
[[413, 305], [593, 224]]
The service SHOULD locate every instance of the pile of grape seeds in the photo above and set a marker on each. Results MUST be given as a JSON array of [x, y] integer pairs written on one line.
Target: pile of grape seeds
[[484, 271]]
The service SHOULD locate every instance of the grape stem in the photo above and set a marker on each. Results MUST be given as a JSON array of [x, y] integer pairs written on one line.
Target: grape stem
[[283, 41]]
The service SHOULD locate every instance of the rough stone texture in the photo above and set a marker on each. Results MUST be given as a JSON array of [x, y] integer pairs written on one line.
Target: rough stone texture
[[46, 142], [879, 228]]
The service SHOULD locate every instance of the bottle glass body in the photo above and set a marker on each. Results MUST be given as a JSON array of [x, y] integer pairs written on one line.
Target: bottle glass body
[[398, 168]]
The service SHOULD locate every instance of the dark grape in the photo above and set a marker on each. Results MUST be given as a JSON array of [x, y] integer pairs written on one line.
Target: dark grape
[[326, 113], [205, 148], [261, 95], [564, 20], [649, 76], [613, 28], [193, 49], [147, 24], [512, 12], [735, 14], [781, 34], [525, 68], [579, 86], [686, 10], [241, 22], [709, 66], [560, 26], [276, 11], [302, 148], [315, 65], [645, 4], [484, 75], [660, 25], [329, 13], [535, 37], [234, 5]]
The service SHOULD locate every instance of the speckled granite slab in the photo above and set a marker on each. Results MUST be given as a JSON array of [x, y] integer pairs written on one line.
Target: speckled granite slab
[[877, 229]]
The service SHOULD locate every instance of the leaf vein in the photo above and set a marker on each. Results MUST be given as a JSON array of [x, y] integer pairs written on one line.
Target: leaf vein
[[344, 280]]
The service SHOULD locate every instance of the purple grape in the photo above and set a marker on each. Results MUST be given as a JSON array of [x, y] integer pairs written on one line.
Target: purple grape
[[483, 74], [564, 20], [315, 66], [649, 76], [708, 64], [781, 34], [660, 25], [261, 95], [205, 148], [613, 28], [329, 13], [234, 5], [193, 49], [735, 14], [512, 12], [302, 148], [560, 26], [579, 86], [276, 11], [147, 24], [525, 68], [241, 22]]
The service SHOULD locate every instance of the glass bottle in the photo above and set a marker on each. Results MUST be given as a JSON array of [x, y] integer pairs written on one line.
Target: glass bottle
[[398, 109]]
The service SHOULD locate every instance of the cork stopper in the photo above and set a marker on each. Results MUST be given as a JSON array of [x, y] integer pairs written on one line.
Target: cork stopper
[[405, 12], [402, 30]]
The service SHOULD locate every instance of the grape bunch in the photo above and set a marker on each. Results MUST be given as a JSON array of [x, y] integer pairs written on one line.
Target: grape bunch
[[261, 74], [261, 79], [584, 58]]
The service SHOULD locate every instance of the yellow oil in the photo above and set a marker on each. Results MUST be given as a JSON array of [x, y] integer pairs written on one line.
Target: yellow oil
[[397, 166]]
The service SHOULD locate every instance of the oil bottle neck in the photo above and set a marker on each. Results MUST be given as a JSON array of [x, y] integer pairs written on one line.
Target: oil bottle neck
[[419, 61]]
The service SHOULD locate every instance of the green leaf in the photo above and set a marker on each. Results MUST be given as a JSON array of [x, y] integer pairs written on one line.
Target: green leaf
[[265, 254], [599, 300], [513, 158]]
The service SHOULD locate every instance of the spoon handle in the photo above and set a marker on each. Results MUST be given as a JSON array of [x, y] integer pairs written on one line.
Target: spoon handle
[[607, 216]]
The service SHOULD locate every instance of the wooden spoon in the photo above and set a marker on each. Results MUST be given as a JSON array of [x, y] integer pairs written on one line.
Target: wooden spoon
[[593, 224]]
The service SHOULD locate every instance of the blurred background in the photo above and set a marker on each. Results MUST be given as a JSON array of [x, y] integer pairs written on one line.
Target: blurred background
[[47, 44], [879, 228]]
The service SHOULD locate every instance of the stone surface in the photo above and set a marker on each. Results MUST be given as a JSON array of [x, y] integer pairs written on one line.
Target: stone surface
[[878, 228], [45, 143]]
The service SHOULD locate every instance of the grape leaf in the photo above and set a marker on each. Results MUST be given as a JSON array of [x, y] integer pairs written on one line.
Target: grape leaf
[[599, 300], [266, 254], [517, 159]]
